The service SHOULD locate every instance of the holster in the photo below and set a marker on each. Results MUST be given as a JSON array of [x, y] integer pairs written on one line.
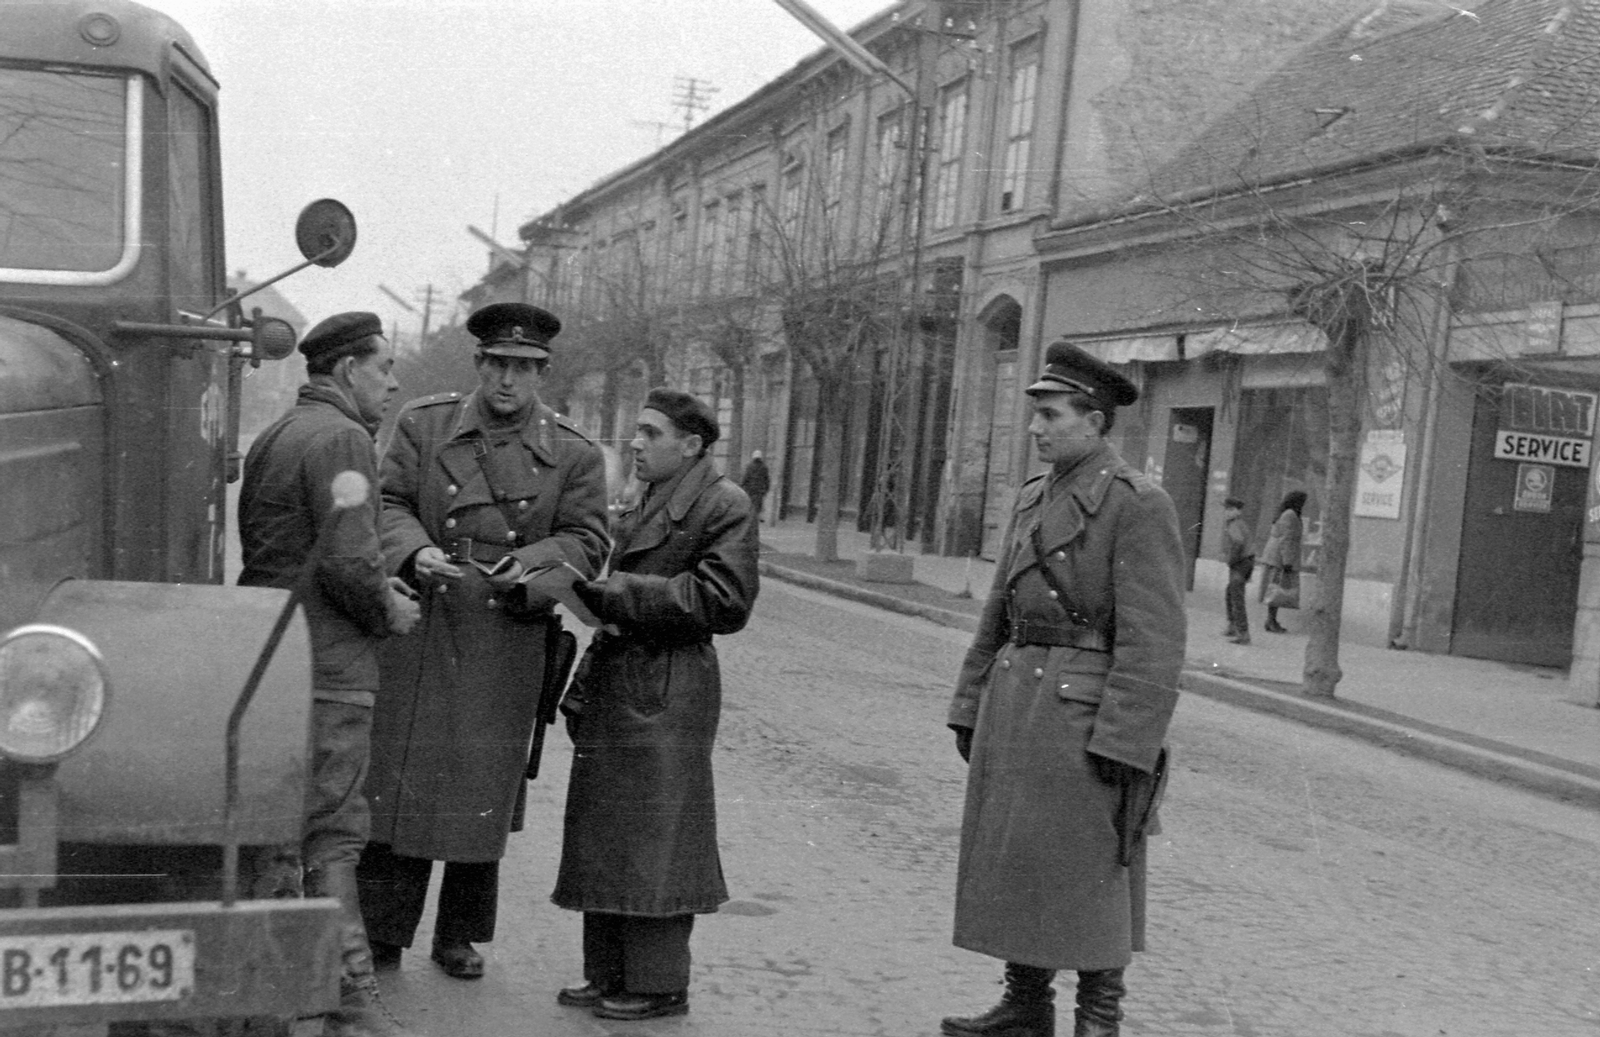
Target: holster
[[1136, 811]]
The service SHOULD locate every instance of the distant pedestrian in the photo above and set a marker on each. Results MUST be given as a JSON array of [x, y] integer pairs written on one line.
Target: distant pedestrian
[[639, 856], [1280, 582], [1236, 553], [1061, 708], [755, 482]]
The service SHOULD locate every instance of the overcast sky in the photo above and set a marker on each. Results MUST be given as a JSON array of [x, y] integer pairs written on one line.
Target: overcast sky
[[424, 116]]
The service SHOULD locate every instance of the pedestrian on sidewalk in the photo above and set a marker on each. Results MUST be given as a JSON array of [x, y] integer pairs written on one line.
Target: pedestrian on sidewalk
[[479, 490], [1061, 708], [1236, 553], [639, 855], [1281, 557], [756, 481], [286, 505]]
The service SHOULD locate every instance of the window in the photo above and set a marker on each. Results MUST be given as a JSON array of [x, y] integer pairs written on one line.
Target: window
[[792, 201], [888, 176], [734, 242], [952, 140], [1019, 128], [65, 151], [757, 266], [189, 202], [711, 246], [833, 185]]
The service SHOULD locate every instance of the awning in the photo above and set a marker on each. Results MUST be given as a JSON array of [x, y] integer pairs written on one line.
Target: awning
[[1127, 350], [1257, 340]]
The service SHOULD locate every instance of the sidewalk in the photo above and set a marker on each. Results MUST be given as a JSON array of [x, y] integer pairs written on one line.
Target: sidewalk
[[1510, 723]]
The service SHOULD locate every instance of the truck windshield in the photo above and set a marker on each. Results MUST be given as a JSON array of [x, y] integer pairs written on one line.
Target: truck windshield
[[64, 153]]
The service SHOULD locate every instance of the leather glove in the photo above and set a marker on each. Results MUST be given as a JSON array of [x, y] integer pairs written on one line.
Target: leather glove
[[1112, 772], [964, 742]]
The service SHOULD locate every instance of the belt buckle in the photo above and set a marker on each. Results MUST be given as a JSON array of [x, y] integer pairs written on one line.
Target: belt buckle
[[461, 549], [1019, 632]]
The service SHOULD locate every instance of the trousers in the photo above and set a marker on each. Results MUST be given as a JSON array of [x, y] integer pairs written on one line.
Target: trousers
[[635, 953], [395, 888]]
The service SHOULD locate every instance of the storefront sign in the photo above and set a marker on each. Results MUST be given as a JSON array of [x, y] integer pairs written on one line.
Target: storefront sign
[[1381, 475], [1545, 425], [1591, 513], [1534, 485], [1522, 446]]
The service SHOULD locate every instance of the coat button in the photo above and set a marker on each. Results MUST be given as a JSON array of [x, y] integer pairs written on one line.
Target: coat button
[[1005, 664], [449, 523], [1054, 595], [492, 603], [1060, 556], [452, 490], [1038, 672], [442, 588], [522, 505], [511, 537]]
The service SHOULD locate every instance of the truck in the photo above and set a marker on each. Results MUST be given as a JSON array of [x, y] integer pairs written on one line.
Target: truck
[[154, 723]]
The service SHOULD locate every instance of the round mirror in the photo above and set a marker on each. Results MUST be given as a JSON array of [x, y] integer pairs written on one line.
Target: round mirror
[[325, 232]]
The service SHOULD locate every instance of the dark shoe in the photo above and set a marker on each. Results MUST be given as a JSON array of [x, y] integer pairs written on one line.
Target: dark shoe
[[361, 1014], [458, 959], [1026, 1009], [1240, 639], [1274, 627], [385, 956], [642, 1006], [586, 996]]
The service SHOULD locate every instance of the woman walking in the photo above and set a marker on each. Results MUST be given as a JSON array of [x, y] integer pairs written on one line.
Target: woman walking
[[1281, 556]]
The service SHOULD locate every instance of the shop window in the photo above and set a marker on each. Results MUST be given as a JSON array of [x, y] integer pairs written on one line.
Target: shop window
[[1282, 445]]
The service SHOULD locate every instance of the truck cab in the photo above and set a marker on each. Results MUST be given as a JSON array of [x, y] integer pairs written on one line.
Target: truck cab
[[153, 723]]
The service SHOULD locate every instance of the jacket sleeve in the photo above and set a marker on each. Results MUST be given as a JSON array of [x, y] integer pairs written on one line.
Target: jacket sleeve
[[400, 476], [715, 596], [993, 629], [350, 573], [578, 526], [1150, 633]]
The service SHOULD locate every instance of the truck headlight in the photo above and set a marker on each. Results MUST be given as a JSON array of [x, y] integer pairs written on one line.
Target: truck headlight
[[54, 688]]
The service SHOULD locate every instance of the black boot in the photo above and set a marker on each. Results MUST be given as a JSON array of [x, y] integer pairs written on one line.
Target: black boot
[[1026, 1009], [1099, 1000]]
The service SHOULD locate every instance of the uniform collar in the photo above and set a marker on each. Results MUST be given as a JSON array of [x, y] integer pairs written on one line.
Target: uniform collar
[[333, 396], [537, 430], [1089, 479]]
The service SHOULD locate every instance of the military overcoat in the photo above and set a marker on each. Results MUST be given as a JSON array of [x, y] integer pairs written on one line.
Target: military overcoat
[[1038, 880], [456, 702], [641, 821]]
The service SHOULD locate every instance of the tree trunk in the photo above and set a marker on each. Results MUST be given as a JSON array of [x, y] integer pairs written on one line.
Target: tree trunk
[[1346, 374], [830, 456]]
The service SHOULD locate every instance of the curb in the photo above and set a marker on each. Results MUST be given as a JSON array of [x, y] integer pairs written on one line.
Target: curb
[[1399, 734], [932, 613]]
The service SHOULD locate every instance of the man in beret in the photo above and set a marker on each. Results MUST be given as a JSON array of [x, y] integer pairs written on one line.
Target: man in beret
[[639, 856], [287, 504], [479, 491], [1060, 710]]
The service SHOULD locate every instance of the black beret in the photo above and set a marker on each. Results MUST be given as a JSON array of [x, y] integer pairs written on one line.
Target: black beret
[[686, 412], [338, 333], [513, 329], [1069, 369]]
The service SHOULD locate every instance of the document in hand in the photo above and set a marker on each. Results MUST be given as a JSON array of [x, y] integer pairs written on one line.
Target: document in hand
[[556, 580]]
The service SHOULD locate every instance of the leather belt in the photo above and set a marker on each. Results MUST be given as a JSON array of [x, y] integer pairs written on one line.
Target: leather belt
[[1056, 636], [462, 549]]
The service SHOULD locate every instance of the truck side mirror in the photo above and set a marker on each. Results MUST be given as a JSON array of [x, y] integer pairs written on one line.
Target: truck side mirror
[[325, 232]]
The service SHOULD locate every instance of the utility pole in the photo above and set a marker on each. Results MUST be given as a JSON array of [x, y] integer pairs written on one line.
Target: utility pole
[[427, 311]]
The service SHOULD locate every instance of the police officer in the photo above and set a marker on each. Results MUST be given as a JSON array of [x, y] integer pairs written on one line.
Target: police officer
[[286, 504], [1060, 710], [479, 490]]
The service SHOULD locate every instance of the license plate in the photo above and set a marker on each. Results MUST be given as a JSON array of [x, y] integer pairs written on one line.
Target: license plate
[[96, 968]]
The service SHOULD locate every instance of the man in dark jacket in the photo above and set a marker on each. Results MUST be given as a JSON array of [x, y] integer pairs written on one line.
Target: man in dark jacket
[[1241, 562], [1060, 709], [479, 491], [286, 502], [755, 482], [639, 857]]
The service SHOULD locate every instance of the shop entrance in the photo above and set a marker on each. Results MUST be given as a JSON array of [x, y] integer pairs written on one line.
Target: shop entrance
[[1521, 550], [1184, 475]]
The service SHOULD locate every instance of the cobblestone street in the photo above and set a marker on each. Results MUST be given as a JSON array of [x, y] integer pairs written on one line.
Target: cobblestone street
[[1305, 884]]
